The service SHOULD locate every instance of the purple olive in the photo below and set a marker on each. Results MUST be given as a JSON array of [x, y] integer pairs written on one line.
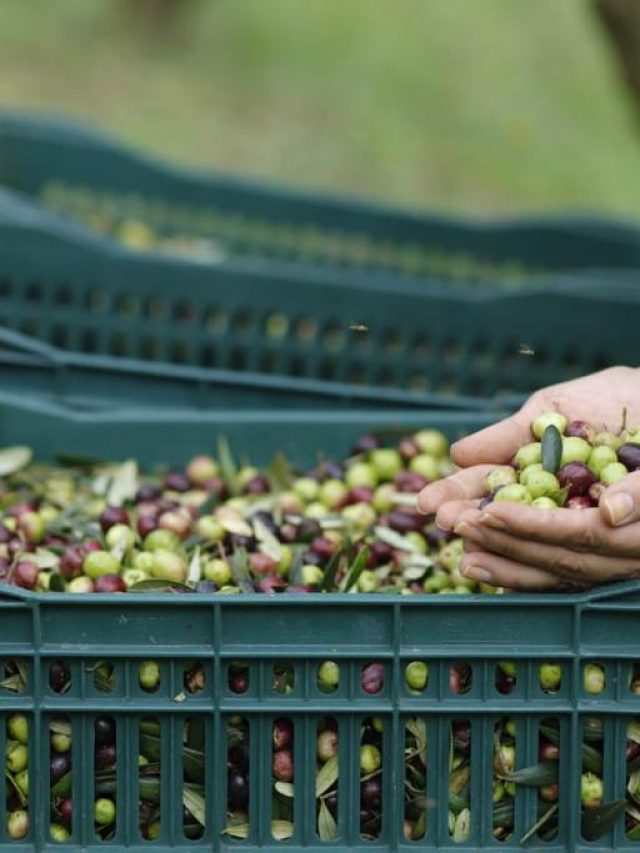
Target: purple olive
[[147, 524], [240, 541], [580, 429], [359, 494], [308, 530], [405, 521], [257, 486], [65, 810], [282, 733], [365, 444], [437, 536], [204, 587], [379, 554], [109, 584], [106, 756], [629, 455], [113, 515], [59, 765], [177, 481], [410, 482], [371, 793], [71, 562], [25, 574], [238, 681], [282, 765], [58, 676], [577, 477], [372, 678], [237, 789], [147, 492], [270, 585], [105, 730], [323, 547], [408, 448], [262, 564], [5, 536]]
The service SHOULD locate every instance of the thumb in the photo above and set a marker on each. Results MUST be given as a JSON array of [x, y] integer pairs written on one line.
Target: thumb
[[620, 503], [495, 444]]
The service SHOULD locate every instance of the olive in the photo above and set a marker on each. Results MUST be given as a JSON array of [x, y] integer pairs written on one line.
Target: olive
[[237, 789], [105, 730], [59, 765]]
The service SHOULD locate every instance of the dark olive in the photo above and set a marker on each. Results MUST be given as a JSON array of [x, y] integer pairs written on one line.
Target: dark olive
[[237, 788]]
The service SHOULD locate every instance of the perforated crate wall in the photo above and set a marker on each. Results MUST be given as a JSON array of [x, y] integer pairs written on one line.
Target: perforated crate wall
[[431, 345], [101, 183], [124, 631]]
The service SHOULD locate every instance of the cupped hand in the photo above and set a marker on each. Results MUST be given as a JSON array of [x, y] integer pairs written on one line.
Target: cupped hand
[[518, 547]]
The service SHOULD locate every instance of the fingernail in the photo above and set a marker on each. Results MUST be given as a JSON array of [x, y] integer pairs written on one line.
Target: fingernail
[[476, 573], [492, 520], [462, 529], [619, 506]]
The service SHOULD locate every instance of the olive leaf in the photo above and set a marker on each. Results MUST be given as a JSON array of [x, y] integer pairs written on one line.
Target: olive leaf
[[124, 483], [44, 559], [598, 821], [157, 585], [232, 521], [330, 573], [60, 727], [281, 829], [56, 583], [12, 459], [357, 567], [462, 826], [284, 788], [418, 728], [240, 570], [327, 829], [237, 830], [195, 804], [540, 823], [194, 575], [18, 790], [544, 773], [279, 473], [394, 540], [62, 788], [327, 775], [551, 449], [228, 466], [268, 543]]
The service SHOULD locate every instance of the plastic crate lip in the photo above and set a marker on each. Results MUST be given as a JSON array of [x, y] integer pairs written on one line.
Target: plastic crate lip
[[329, 599], [79, 134], [18, 212]]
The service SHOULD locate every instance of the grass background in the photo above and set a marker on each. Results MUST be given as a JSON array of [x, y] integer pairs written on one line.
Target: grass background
[[483, 106]]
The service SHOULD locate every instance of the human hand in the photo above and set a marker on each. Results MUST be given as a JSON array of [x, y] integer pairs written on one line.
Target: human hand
[[519, 547]]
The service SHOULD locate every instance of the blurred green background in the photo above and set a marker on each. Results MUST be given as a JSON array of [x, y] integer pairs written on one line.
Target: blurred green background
[[483, 106]]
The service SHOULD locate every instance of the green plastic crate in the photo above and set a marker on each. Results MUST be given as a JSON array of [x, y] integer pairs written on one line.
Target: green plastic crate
[[94, 179], [433, 346], [352, 629]]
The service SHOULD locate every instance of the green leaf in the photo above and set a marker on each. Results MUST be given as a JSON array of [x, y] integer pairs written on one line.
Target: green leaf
[[56, 583], [237, 830], [329, 579], [240, 570], [281, 829], [12, 459], [45, 559], [195, 804], [124, 483], [598, 821], [62, 788], [462, 826], [18, 790], [358, 566], [193, 759], [551, 449], [228, 467], [544, 773], [394, 539], [327, 776], [540, 823], [268, 543], [208, 505], [279, 473], [418, 728], [284, 788], [60, 727], [327, 829], [157, 585], [194, 575]]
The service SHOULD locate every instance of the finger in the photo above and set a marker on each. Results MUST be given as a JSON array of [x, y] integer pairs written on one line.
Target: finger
[[620, 503], [451, 512], [495, 444], [580, 529], [499, 571], [462, 485], [575, 566]]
